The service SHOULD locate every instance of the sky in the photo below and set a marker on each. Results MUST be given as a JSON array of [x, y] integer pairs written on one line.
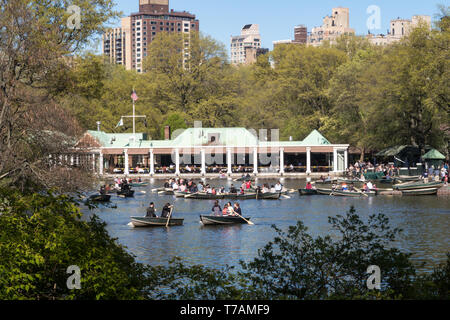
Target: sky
[[221, 19]]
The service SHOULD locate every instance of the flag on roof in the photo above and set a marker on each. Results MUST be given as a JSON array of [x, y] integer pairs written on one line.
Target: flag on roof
[[134, 95], [120, 123]]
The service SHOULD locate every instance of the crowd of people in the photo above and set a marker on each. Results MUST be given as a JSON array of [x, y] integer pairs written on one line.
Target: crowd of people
[[190, 186]]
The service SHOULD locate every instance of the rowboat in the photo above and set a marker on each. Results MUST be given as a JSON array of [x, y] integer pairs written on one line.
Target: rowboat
[[100, 198], [420, 192], [331, 181], [409, 178], [341, 180], [204, 196], [167, 192], [324, 191], [155, 222], [307, 192], [222, 220], [353, 193], [126, 193], [418, 185], [237, 196], [181, 194], [268, 196], [139, 184]]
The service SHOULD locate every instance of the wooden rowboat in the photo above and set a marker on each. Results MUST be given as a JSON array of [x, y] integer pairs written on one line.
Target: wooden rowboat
[[353, 193], [139, 184], [204, 196], [100, 198], [420, 192], [307, 192], [181, 194], [408, 178], [222, 220], [268, 196], [126, 193], [167, 192], [324, 191], [419, 185], [155, 222]]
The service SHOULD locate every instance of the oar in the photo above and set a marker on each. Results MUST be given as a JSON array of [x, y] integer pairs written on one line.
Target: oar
[[285, 196], [249, 222], [360, 191], [170, 214]]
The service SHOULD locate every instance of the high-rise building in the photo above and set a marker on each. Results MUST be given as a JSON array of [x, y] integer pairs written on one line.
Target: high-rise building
[[332, 27], [300, 34], [129, 44], [398, 29], [240, 45]]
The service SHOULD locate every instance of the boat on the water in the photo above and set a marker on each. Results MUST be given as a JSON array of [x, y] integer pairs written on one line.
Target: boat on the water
[[418, 185], [139, 184], [307, 192], [167, 192], [181, 194], [331, 181], [408, 178], [100, 198], [268, 196], [204, 196], [420, 192], [324, 191], [347, 180], [353, 193], [126, 193], [222, 220], [234, 196], [155, 222]]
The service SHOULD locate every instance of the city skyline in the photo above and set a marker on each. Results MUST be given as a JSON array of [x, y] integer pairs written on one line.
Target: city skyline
[[234, 14]]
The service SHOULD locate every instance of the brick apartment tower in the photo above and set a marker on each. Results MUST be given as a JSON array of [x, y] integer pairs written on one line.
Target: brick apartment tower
[[300, 34], [129, 44]]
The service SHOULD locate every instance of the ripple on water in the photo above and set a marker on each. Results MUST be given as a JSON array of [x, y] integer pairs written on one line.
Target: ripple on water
[[425, 221]]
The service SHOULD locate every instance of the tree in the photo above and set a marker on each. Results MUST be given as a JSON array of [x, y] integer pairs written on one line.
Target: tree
[[297, 266], [36, 43]]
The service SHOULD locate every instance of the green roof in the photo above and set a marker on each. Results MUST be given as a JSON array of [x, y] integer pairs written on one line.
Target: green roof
[[315, 138], [433, 154]]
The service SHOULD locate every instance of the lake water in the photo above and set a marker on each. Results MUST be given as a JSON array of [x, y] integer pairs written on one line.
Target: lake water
[[425, 221]]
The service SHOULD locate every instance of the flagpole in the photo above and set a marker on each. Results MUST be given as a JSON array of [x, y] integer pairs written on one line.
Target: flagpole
[[134, 121]]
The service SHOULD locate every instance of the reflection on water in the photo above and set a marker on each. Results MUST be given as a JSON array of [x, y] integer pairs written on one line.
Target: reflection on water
[[425, 221]]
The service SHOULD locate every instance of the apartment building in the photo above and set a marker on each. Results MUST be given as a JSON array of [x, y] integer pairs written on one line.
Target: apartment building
[[333, 26], [398, 29], [129, 44], [249, 38]]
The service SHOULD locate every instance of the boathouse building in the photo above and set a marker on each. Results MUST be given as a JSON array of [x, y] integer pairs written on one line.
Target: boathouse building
[[208, 151]]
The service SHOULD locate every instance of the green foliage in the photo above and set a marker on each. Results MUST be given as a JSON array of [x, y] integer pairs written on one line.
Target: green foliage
[[42, 235], [351, 91], [297, 266]]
